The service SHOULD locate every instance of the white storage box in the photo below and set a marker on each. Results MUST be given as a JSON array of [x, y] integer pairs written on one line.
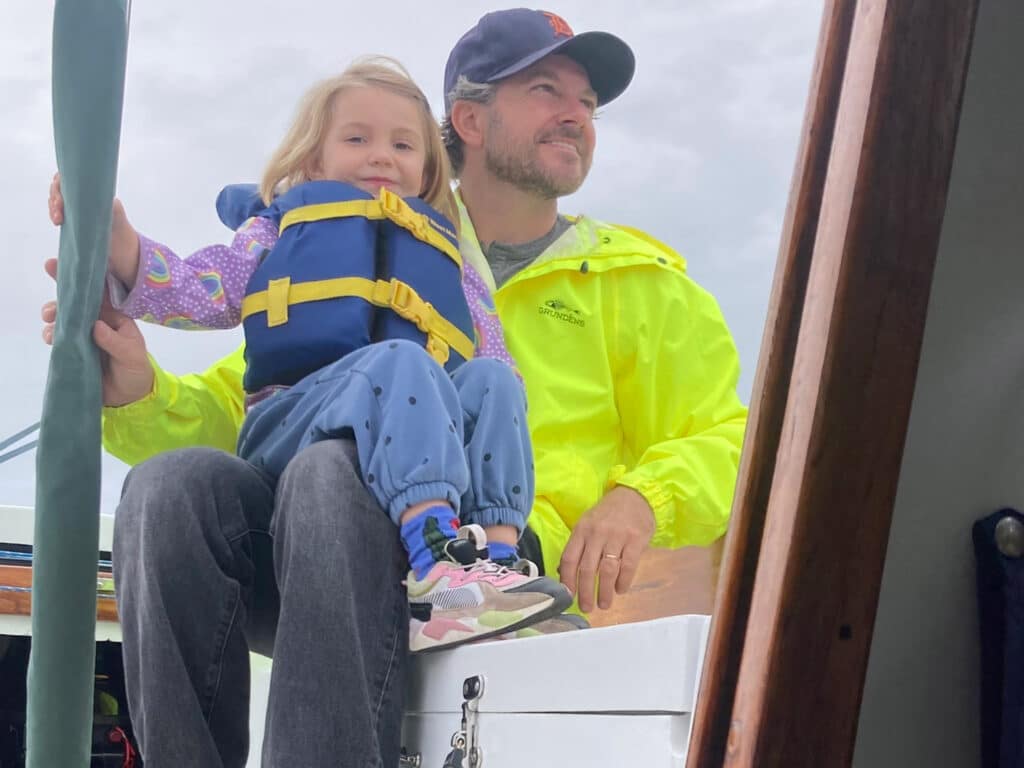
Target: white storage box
[[615, 697]]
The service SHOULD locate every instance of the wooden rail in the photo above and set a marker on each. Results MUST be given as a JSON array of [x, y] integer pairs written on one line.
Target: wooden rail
[[824, 522], [16, 602]]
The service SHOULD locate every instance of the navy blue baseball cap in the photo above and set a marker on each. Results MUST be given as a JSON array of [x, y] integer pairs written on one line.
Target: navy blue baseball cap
[[506, 42]]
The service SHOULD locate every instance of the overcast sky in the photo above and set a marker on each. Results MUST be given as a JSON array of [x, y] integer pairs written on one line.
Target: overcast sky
[[699, 151]]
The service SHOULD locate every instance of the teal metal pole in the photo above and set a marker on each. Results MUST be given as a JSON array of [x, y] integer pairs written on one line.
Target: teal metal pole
[[90, 39]]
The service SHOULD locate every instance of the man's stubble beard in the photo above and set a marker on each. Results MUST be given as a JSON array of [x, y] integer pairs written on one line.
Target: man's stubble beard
[[517, 164]]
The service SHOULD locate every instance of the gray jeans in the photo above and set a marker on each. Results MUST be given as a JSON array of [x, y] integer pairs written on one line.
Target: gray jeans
[[212, 561]]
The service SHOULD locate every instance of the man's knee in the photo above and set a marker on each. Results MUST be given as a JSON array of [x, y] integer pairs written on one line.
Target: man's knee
[[322, 488], [170, 499], [174, 472], [327, 461]]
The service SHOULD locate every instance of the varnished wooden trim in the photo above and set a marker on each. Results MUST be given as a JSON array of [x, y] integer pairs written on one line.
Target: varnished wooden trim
[[837, 466], [20, 603], [771, 387]]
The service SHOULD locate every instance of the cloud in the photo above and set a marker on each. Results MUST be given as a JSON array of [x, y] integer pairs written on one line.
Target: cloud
[[698, 151]]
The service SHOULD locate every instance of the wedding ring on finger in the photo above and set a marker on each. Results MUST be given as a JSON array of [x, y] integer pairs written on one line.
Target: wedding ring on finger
[[610, 556]]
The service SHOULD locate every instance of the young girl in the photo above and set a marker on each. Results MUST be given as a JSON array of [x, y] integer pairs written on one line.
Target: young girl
[[346, 276]]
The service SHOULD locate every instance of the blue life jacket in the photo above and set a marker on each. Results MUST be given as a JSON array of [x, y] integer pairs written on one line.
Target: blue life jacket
[[348, 270]]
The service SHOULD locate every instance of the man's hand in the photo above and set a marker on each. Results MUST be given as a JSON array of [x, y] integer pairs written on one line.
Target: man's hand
[[607, 542], [127, 373]]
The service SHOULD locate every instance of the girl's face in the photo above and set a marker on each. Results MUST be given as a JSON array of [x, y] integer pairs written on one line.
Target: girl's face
[[375, 139]]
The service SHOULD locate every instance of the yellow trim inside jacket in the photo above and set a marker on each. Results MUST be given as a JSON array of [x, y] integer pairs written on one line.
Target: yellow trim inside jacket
[[630, 372]]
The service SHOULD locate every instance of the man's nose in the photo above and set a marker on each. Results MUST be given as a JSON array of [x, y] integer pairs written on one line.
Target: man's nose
[[574, 112]]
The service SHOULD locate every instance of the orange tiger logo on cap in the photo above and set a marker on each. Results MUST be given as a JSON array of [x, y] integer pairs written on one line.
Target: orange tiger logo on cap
[[560, 25]]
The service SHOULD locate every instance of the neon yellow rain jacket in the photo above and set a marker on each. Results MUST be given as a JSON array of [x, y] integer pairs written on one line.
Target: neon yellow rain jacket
[[631, 379]]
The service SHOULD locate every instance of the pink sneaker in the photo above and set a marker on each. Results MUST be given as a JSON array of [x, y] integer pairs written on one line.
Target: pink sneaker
[[458, 602]]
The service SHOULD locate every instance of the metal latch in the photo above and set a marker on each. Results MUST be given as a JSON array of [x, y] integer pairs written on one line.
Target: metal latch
[[406, 760], [466, 750]]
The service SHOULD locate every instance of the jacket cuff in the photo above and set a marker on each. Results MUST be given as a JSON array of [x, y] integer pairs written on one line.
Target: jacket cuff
[[669, 531], [658, 499], [143, 409]]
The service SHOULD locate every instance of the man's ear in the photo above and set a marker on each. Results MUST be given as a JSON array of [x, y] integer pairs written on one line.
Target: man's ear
[[468, 120]]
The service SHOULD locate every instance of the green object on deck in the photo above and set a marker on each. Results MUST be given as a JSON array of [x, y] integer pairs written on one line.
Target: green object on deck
[[90, 39]]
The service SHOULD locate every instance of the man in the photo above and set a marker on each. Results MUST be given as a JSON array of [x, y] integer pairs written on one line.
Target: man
[[629, 368], [631, 376]]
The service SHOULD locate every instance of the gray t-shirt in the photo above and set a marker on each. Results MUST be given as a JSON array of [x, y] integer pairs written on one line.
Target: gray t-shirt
[[506, 260]]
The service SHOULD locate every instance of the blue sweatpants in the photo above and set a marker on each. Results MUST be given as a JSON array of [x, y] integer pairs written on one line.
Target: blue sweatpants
[[420, 433]]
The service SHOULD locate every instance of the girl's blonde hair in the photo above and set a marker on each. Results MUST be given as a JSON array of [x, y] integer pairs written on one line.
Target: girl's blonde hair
[[296, 153]]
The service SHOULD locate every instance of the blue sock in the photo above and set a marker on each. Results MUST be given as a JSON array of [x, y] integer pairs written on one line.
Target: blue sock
[[504, 554], [426, 534]]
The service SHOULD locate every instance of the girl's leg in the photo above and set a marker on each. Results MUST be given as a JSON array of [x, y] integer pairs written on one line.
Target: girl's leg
[[501, 478], [398, 405], [403, 411], [498, 453]]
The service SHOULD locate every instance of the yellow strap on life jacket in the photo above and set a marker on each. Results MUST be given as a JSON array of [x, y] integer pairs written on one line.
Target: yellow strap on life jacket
[[389, 206], [277, 301], [393, 294]]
